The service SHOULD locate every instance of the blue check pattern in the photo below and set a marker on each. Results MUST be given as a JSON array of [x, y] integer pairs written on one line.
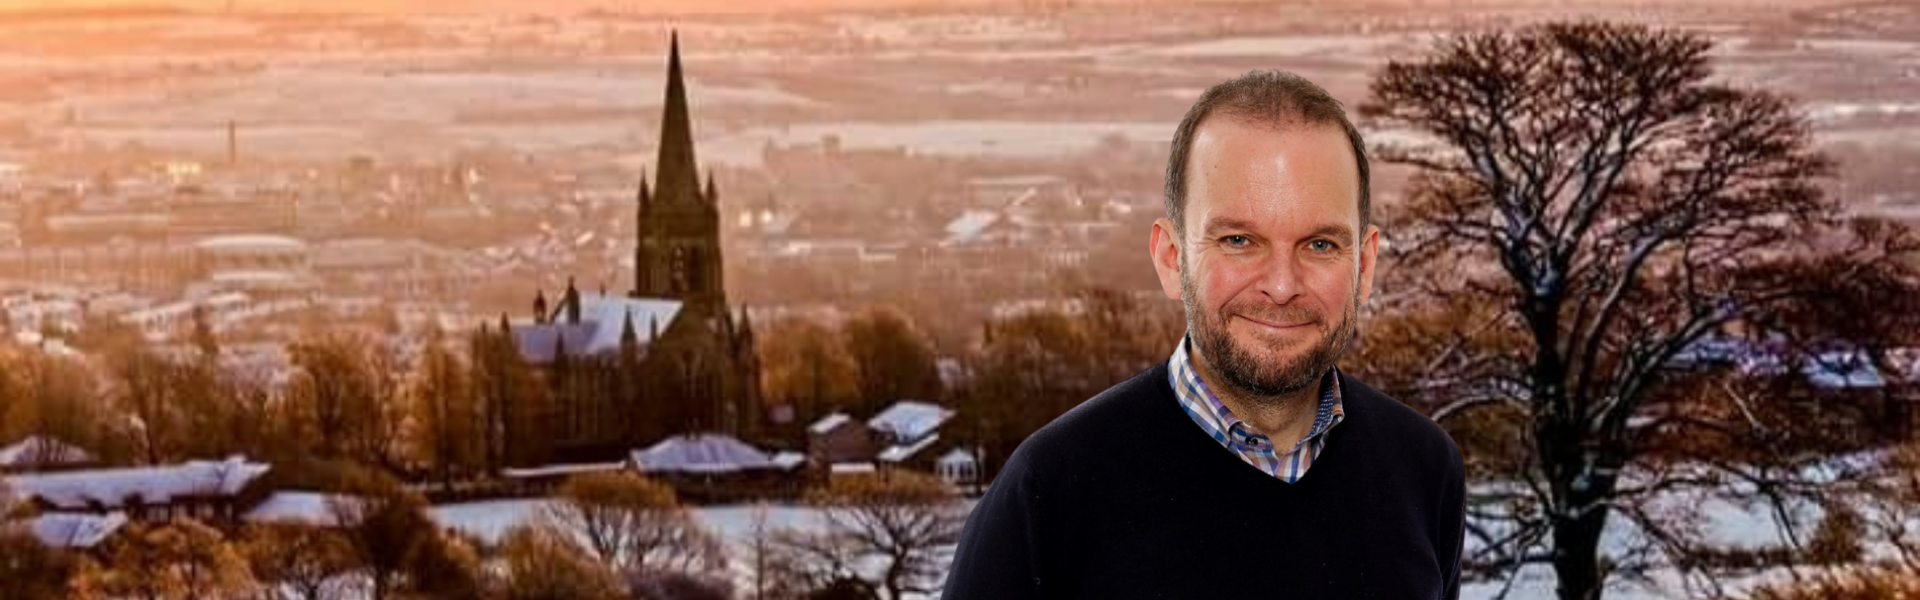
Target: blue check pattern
[[1241, 437]]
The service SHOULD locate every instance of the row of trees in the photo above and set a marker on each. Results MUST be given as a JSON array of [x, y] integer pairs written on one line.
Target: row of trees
[[604, 537]]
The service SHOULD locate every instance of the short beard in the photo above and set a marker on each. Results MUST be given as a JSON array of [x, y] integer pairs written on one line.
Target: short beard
[[1255, 380]]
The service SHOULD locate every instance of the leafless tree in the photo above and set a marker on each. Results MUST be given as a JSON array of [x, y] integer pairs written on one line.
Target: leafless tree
[[1595, 204], [632, 523], [904, 521]]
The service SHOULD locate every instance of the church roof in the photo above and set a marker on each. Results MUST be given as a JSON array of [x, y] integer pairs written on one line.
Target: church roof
[[601, 319]]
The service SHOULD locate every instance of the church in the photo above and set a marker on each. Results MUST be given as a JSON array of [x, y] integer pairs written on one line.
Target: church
[[670, 357]]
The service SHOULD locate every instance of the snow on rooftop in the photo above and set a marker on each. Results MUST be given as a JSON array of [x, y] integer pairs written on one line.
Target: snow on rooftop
[[828, 423], [300, 508], [700, 453], [602, 319], [957, 456], [900, 453], [75, 530], [556, 470], [843, 468], [41, 450], [788, 459], [115, 488], [910, 419]]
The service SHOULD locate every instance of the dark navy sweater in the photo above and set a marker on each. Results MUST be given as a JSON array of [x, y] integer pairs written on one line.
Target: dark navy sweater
[[1125, 497]]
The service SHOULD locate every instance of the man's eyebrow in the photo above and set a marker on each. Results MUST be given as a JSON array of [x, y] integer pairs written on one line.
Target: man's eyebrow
[[1339, 231], [1217, 224]]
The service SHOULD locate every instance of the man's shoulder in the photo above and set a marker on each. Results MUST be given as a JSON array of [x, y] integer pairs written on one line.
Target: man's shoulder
[[1394, 423], [1115, 413]]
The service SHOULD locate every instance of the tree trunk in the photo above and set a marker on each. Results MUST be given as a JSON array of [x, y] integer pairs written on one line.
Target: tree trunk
[[1576, 557]]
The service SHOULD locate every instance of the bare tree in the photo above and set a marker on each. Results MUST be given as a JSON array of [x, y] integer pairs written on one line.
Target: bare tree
[[1603, 206], [905, 522], [545, 564], [632, 523]]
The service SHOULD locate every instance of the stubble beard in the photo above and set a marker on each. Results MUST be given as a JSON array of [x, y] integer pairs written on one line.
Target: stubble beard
[[1254, 379]]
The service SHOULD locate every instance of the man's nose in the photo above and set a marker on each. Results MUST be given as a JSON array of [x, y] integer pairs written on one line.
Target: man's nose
[[1280, 277]]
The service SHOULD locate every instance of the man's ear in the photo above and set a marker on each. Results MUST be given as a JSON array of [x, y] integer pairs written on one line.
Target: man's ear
[[1368, 250], [1165, 248]]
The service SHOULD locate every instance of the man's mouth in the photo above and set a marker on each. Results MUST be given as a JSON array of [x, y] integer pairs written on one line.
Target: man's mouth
[[1272, 325]]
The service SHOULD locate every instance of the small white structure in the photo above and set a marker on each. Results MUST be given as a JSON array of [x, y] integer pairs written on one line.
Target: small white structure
[[959, 466]]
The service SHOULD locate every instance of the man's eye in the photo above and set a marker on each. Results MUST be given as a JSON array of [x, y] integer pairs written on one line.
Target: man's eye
[[1237, 240], [1325, 246]]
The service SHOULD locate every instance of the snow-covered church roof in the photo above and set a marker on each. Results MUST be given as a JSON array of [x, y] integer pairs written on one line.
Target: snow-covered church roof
[[701, 453], [602, 318], [115, 488]]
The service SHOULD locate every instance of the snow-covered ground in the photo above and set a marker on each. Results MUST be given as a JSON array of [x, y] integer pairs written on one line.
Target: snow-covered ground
[[1727, 522]]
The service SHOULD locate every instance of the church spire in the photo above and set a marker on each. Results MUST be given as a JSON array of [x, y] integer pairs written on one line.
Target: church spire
[[678, 173], [643, 189]]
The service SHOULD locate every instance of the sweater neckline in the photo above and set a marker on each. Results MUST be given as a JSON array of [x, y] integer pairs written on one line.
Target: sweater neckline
[[1167, 406]]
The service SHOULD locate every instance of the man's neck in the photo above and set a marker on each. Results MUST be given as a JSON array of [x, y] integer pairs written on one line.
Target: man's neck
[[1284, 419]]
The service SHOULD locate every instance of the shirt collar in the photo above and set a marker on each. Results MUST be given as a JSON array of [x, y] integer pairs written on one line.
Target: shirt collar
[[1205, 406]]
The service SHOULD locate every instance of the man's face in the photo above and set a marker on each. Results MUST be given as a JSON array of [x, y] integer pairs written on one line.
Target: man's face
[[1271, 269]]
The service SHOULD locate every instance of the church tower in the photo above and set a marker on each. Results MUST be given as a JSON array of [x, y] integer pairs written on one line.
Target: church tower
[[678, 251]]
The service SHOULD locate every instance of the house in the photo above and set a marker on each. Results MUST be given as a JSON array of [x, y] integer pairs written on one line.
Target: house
[[209, 490], [838, 438], [906, 430], [905, 434]]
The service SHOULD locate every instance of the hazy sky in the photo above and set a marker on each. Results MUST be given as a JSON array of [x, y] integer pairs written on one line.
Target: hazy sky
[[521, 6]]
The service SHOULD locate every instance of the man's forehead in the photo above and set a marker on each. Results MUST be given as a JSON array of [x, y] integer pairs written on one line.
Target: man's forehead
[[1293, 180]]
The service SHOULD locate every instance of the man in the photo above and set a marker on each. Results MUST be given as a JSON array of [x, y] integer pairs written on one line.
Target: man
[[1247, 465]]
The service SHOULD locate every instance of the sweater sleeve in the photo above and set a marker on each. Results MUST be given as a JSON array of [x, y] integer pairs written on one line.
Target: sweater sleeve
[[999, 553]]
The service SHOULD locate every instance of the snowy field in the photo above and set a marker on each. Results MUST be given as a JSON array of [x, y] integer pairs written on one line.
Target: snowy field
[[1724, 521]]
